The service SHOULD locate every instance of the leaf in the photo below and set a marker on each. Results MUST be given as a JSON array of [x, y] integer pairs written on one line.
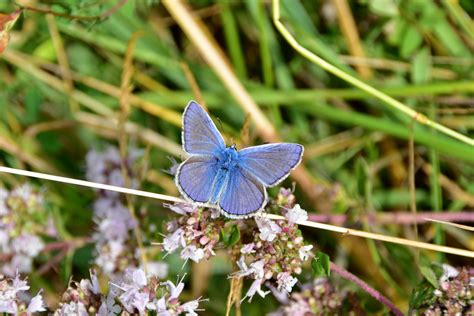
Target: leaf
[[421, 66], [429, 275], [410, 42], [321, 264], [6, 23], [230, 236]]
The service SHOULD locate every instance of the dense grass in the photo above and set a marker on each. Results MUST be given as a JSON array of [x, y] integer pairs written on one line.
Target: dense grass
[[357, 146]]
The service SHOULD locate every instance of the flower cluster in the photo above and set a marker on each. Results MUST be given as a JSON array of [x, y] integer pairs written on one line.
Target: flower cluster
[[132, 293], [318, 298], [115, 247], [13, 294], [454, 296], [276, 254], [196, 232], [23, 220]]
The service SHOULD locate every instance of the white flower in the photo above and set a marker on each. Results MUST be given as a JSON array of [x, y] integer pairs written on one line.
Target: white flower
[[181, 208], [173, 241], [255, 288], [296, 214], [27, 244], [285, 281], [36, 304], [175, 291], [244, 270], [8, 306], [95, 286], [304, 252], [268, 228], [449, 272], [248, 248], [190, 307], [73, 308], [159, 269], [215, 212], [193, 253], [257, 268]]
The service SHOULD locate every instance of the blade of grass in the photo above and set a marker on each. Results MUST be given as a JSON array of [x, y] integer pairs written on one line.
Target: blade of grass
[[349, 29], [125, 88], [397, 105], [232, 39], [352, 118]]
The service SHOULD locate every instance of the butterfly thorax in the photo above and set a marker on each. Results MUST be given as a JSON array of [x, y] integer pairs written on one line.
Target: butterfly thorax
[[227, 159]]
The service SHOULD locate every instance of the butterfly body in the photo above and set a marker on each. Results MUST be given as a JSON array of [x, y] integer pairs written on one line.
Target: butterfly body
[[218, 176]]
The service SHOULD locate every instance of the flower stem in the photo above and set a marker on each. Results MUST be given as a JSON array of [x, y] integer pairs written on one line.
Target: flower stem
[[367, 288]]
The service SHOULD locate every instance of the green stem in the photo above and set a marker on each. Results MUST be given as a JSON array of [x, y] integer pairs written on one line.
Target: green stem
[[421, 118]]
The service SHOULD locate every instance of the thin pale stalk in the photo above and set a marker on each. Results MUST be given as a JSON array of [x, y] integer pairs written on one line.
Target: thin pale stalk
[[349, 29], [125, 88], [396, 218], [342, 230]]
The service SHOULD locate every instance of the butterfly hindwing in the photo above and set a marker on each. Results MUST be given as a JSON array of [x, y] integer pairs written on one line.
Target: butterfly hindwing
[[200, 135], [243, 195], [271, 163], [195, 178]]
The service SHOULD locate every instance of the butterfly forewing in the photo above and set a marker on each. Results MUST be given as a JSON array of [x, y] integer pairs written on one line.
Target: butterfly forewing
[[200, 135], [271, 163], [243, 194], [195, 178]]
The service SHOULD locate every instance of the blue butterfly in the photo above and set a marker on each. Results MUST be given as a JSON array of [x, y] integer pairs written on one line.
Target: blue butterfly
[[221, 177]]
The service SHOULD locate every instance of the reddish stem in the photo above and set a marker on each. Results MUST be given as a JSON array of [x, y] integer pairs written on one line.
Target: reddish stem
[[371, 291]]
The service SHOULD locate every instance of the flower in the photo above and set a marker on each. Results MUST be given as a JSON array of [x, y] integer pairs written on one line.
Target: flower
[[36, 304], [195, 231], [255, 288], [305, 252], [114, 242], [193, 253], [173, 241], [174, 290], [275, 254], [159, 269], [181, 208], [190, 307], [296, 214], [453, 296], [73, 308], [13, 292], [19, 237], [268, 229], [285, 281], [248, 248], [319, 297]]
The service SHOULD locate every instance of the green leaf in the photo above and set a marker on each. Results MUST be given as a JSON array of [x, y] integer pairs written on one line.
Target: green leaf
[[230, 236], [321, 264], [410, 42], [421, 66], [429, 275]]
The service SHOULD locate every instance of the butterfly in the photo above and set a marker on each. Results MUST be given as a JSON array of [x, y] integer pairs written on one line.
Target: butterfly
[[233, 181]]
